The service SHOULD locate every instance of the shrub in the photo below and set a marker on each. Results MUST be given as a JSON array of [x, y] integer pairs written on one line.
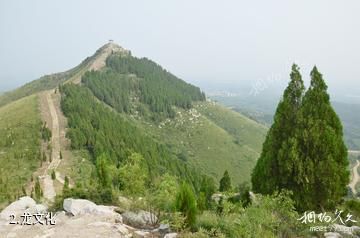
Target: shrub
[[269, 216], [207, 220], [186, 204], [177, 221]]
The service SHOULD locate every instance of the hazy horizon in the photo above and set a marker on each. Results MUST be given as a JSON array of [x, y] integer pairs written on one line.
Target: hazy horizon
[[202, 42]]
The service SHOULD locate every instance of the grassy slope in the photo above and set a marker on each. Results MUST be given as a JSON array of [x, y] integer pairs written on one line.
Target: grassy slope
[[210, 137], [246, 131], [217, 140], [41, 84], [262, 110], [19, 145]]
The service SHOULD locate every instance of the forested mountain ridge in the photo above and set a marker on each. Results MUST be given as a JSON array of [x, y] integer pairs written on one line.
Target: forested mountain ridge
[[157, 90], [142, 140], [117, 107], [175, 114]]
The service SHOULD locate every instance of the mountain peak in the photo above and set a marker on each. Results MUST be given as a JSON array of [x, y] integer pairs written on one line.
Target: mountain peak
[[98, 60], [112, 47]]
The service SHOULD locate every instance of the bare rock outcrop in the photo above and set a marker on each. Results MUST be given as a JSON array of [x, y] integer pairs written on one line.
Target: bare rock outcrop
[[140, 220], [80, 218]]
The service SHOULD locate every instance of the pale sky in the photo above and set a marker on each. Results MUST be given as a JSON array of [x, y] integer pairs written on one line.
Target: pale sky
[[202, 41]]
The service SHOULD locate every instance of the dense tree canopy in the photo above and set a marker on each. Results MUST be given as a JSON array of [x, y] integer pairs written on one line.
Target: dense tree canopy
[[157, 84], [127, 78], [104, 132]]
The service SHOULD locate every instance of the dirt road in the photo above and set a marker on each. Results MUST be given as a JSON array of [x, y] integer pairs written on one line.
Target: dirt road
[[355, 152], [355, 177], [47, 182]]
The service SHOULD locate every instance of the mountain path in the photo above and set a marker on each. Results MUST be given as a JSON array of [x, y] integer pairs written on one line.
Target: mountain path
[[355, 152], [355, 177], [53, 119], [47, 182], [99, 62]]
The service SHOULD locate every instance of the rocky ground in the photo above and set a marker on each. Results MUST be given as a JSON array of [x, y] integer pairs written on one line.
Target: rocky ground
[[79, 218]]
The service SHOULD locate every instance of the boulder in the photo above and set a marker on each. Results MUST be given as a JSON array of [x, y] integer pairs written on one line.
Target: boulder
[[355, 229], [171, 235], [332, 235], [82, 206], [38, 208], [345, 230], [217, 197], [164, 229], [123, 230], [18, 207], [141, 234], [161, 231], [141, 220], [78, 206]]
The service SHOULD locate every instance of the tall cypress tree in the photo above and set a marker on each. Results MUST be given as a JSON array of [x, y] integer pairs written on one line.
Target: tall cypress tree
[[273, 169], [323, 154], [304, 150]]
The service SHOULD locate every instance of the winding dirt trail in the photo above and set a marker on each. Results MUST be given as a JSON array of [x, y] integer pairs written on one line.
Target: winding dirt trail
[[55, 131], [48, 184], [355, 177]]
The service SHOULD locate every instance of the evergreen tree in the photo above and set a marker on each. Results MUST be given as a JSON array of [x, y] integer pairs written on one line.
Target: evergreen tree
[[163, 196], [66, 184], [304, 150], [201, 202], [208, 188], [225, 182], [133, 175], [53, 175], [186, 204], [273, 170], [38, 191], [102, 168], [323, 163]]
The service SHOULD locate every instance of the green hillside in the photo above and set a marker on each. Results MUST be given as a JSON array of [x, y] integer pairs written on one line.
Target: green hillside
[[20, 127], [154, 113], [209, 137], [100, 130], [207, 145]]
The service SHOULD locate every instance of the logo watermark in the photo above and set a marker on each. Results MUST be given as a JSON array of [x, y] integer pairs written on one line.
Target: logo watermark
[[275, 78], [32, 219], [331, 223]]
